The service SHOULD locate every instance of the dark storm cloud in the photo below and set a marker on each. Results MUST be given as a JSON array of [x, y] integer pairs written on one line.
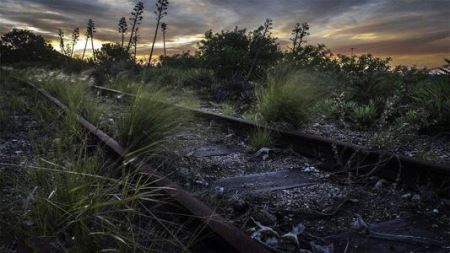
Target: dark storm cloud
[[396, 27]]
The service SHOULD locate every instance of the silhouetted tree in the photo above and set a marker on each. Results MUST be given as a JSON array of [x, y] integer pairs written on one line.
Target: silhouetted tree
[[299, 33], [258, 36], [90, 30], [123, 27], [111, 59], [446, 67], [135, 41], [111, 53], [164, 29], [75, 36], [136, 20], [161, 11], [316, 57], [22, 45]]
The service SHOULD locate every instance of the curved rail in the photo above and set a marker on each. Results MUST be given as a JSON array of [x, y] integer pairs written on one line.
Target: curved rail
[[227, 234], [337, 154]]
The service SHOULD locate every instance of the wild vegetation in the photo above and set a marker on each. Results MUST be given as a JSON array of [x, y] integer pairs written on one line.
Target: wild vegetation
[[77, 200]]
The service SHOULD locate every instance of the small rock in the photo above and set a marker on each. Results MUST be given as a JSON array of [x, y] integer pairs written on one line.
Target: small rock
[[219, 190], [201, 182], [379, 185], [406, 195]]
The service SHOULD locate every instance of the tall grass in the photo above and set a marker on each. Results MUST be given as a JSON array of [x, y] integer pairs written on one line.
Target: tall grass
[[260, 138], [76, 201], [199, 79], [76, 95], [228, 108], [124, 84], [147, 122], [85, 211], [72, 91], [289, 96]]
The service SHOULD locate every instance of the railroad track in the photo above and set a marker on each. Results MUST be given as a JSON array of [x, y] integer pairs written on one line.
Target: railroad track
[[228, 238], [336, 155]]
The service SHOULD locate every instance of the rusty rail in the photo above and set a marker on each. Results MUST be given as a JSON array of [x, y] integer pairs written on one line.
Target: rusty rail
[[394, 167], [227, 233]]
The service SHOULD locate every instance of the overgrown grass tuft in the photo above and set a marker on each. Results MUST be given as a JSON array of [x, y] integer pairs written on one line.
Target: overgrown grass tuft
[[77, 96], [260, 138], [73, 91], [124, 84], [147, 122], [289, 97], [78, 206], [365, 115], [228, 109], [198, 79]]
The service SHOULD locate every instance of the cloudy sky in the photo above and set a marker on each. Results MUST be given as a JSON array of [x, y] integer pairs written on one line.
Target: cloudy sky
[[410, 31]]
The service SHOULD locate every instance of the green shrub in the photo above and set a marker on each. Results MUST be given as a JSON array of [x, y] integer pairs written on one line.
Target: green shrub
[[367, 78], [199, 79], [147, 122], [433, 98], [365, 115], [185, 60], [231, 53], [289, 96]]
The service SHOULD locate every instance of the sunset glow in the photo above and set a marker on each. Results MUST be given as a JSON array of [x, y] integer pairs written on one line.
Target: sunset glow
[[412, 32]]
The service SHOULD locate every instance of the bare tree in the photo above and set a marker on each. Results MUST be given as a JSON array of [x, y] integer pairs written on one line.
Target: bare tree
[[136, 20], [75, 36], [299, 33], [61, 41], [161, 11], [90, 30], [164, 29], [259, 37], [123, 27], [135, 40]]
